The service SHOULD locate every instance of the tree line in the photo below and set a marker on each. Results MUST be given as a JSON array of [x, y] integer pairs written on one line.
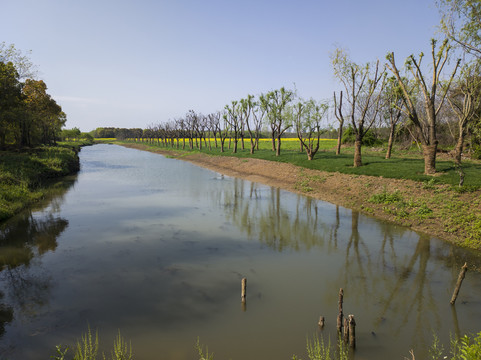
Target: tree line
[[29, 116], [427, 98]]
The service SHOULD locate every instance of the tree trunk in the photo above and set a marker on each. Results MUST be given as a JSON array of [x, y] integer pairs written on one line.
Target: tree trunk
[[458, 150], [273, 142], [278, 148], [429, 152], [390, 141], [339, 140], [357, 153]]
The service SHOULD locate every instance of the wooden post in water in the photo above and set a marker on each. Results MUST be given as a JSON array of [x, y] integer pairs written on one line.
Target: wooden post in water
[[321, 321], [346, 330], [243, 290], [461, 276], [340, 316], [352, 332]]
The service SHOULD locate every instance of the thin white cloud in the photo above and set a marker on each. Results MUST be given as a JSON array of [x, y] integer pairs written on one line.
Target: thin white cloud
[[78, 100]]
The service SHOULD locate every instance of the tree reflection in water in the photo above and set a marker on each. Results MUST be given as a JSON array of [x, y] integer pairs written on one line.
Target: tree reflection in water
[[378, 268], [23, 240]]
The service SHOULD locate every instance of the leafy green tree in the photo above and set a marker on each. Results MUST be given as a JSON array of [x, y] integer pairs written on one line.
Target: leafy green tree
[[10, 100], [43, 119]]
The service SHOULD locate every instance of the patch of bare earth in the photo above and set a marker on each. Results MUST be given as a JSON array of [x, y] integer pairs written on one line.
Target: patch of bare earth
[[351, 191]]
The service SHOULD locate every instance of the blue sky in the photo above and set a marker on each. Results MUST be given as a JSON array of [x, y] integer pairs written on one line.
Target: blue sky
[[133, 63]]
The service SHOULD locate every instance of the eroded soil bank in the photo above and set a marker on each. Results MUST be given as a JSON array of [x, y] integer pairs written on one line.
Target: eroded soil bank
[[435, 210]]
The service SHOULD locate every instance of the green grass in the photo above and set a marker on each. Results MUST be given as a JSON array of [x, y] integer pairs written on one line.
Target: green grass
[[24, 174]]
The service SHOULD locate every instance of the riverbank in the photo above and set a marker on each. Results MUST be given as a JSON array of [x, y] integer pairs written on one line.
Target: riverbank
[[23, 174], [437, 210]]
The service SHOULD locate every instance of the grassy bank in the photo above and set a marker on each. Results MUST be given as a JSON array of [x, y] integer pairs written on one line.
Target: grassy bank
[[24, 174], [395, 189]]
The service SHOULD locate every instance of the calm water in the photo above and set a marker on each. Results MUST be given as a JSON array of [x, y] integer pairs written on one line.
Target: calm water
[[157, 248]]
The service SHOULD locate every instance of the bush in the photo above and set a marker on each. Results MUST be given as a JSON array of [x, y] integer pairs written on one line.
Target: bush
[[349, 137]]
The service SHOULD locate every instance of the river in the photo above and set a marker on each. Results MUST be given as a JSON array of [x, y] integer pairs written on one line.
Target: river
[[156, 248]]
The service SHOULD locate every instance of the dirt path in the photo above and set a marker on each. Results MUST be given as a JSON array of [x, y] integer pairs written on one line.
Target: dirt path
[[351, 191]]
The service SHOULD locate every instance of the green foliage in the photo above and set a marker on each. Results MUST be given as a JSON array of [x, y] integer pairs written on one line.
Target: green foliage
[[87, 347], [319, 350], [23, 174], [464, 348], [121, 350], [369, 139], [465, 188], [423, 211], [28, 115], [61, 353], [200, 350], [461, 21], [386, 197], [429, 184]]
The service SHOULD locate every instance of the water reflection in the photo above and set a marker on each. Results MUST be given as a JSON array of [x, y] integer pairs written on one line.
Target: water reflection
[[377, 259], [162, 256], [23, 240]]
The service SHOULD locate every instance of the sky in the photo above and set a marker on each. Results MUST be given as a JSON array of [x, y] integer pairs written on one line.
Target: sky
[[136, 63]]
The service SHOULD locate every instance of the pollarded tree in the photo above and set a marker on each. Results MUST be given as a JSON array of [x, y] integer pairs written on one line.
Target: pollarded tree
[[393, 105], [259, 111], [276, 103], [233, 116], [214, 125], [464, 99], [308, 117], [247, 107], [363, 87], [432, 100]]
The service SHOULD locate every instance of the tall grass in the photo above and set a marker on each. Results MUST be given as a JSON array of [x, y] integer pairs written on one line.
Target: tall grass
[[87, 348]]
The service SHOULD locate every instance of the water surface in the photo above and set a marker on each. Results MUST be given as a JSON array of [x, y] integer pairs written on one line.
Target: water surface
[[156, 248]]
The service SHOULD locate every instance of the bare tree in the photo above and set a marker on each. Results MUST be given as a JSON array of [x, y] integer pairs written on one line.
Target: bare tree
[[340, 117], [426, 124]]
